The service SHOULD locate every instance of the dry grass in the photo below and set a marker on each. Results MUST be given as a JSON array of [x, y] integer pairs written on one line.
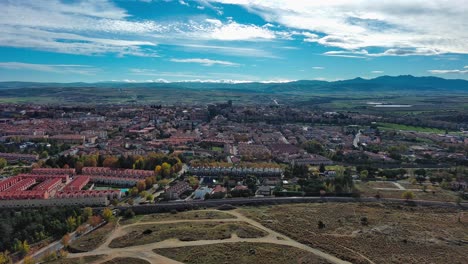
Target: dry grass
[[92, 240], [81, 260], [189, 215], [382, 185], [185, 232], [126, 261], [394, 234], [242, 252], [438, 195]]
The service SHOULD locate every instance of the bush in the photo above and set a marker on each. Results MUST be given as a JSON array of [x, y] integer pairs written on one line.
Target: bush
[[226, 207], [320, 225], [408, 195], [364, 221], [129, 213]]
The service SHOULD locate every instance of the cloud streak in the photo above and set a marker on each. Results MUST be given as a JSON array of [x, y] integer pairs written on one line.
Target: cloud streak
[[206, 62], [454, 71], [55, 68]]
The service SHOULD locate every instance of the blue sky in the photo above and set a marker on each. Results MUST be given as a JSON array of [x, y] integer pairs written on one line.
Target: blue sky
[[231, 40]]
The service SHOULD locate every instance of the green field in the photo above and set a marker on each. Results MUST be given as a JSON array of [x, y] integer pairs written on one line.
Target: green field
[[391, 126]]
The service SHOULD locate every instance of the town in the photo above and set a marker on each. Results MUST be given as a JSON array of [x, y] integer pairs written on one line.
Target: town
[[149, 154]]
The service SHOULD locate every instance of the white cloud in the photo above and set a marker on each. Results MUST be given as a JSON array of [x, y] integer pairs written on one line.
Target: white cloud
[[466, 67], [206, 62], [392, 24], [389, 52], [97, 27], [377, 72], [56, 68], [318, 68], [236, 31], [183, 3], [455, 71]]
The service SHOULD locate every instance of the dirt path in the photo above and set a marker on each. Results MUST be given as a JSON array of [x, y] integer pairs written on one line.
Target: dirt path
[[146, 251]]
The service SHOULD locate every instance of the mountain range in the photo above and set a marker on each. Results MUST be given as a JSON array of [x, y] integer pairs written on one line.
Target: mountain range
[[402, 82]]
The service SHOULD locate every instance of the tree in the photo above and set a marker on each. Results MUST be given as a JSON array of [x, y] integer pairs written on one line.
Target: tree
[[364, 174], [79, 166], [71, 223], [150, 197], [5, 258], [166, 169], [107, 214], [3, 163], [420, 172], [408, 195], [193, 181], [90, 161], [322, 168], [110, 161], [143, 194], [24, 249], [157, 170], [28, 260], [66, 240], [141, 186], [313, 146], [134, 191], [95, 220], [81, 229], [87, 213], [149, 181], [129, 213], [44, 155]]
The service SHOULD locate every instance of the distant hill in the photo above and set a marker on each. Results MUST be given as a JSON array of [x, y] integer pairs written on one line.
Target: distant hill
[[383, 83]]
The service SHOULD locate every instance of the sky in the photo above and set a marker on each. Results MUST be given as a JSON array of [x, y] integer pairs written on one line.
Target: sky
[[231, 40]]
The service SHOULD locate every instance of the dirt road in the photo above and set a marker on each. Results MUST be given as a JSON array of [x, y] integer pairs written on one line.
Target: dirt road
[[146, 251]]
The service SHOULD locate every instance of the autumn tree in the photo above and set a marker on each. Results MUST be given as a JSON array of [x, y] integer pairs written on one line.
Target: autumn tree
[[66, 240], [158, 170], [111, 161], [150, 181], [5, 258], [95, 220], [90, 161], [81, 229], [141, 186], [134, 191], [107, 214], [166, 169]]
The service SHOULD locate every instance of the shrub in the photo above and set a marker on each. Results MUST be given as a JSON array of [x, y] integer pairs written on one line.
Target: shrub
[[408, 195], [320, 224]]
